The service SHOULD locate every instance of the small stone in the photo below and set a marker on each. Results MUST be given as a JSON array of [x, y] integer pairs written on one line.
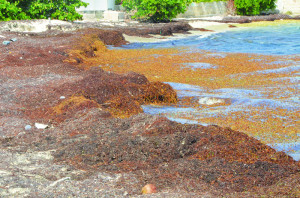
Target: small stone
[[27, 127], [41, 126], [21, 58], [6, 42], [13, 39], [62, 97], [210, 101], [149, 189]]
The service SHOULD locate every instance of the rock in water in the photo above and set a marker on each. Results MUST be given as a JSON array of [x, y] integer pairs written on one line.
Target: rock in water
[[210, 101]]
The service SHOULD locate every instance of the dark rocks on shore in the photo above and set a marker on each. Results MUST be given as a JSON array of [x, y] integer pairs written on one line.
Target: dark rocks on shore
[[249, 19], [166, 29]]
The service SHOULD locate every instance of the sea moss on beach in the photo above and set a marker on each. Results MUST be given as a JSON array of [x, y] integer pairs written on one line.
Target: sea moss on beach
[[97, 142]]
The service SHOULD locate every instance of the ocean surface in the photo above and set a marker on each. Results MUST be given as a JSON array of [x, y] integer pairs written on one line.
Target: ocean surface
[[276, 40], [281, 40]]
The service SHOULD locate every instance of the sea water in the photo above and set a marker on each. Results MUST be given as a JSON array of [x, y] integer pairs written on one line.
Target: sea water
[[267, 40], [276, 40]]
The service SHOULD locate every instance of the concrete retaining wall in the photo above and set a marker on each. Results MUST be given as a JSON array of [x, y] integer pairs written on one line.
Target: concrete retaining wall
[[219, 8], [285, 6], [98, 5], [92, 15], [97, 9], [196, 10]]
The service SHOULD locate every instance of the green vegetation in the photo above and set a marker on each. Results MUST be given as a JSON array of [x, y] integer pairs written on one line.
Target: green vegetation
[[118, 2], [289, 13], [198, 1], [10, 11], [253, 7], [156, 10], [40, 9]]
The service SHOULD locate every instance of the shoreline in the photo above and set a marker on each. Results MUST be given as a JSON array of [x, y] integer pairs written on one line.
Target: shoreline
[[147, 32], [208, 27], [212, 27]]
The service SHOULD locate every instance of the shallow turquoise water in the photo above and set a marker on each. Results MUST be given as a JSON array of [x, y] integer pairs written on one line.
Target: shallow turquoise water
[[276, 40], [269, 40]]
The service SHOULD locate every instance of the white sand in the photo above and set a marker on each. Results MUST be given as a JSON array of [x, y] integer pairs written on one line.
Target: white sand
[[216, 27]]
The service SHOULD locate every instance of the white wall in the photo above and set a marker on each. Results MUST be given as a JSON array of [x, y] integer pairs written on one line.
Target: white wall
[[203, 9], [289, 5], [97, 5]]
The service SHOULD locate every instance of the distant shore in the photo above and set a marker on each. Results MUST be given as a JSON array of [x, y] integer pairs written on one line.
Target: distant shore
[[212, 27], [134, 31]]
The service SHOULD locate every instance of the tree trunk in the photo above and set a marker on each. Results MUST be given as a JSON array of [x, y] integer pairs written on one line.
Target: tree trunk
[[231, 7]]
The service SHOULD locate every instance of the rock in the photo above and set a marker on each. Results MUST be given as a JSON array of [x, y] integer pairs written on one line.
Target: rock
[[204, 30], [149, 189], [6, 42], [27, 127], [41, 126], [210, 101]]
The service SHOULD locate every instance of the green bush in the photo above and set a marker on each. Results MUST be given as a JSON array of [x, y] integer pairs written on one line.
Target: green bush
[[253, 7], [198, 1], [118, 2], [156, 10], [10, 11], [40, 9]]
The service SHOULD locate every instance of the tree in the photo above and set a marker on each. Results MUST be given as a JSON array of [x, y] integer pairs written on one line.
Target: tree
[[40, 9], [253, 7], [230, 7], [156, 10], [10, 11]]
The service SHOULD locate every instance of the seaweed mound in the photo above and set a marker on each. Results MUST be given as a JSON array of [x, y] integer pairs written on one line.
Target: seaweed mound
[[122, 95]]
